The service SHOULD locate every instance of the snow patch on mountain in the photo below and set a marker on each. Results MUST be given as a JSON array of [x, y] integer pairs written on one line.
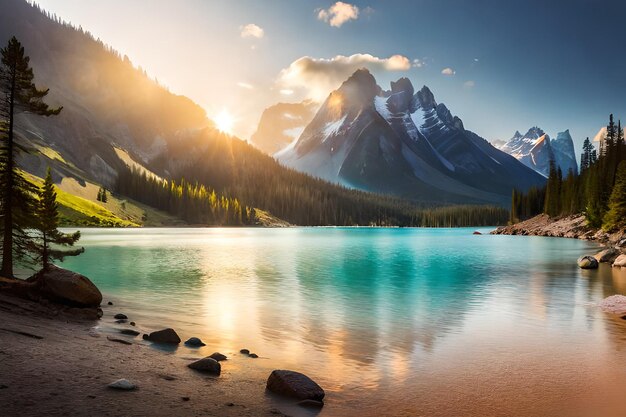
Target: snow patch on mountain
[[332, 128]]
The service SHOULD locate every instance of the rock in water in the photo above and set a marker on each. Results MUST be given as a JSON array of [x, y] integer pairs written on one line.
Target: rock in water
[[311, 404], [120, 316], [607, 256], [207, 365], [620, 261], [253, 355], [122, 384], [615, 304], [163, 336], [294, 384], [218, 356], [129, 332], [244, 351], [477, 233], [67, 287], [194, 342], [587, 262]]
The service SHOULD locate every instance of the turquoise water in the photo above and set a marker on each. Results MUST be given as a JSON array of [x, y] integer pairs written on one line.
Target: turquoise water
[[419, 321]]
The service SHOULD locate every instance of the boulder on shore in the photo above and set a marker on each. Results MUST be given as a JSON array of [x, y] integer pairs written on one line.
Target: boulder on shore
[[207, 365], [587, 262], [67, 287], [607, 255], [218, 356], [194, 342], [163, 336], [295, 385], [615, 304], [620, 261]]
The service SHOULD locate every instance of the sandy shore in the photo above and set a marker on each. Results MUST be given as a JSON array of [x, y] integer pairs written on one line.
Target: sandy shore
[[61, 367]]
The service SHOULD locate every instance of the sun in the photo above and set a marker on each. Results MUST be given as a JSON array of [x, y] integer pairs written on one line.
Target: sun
[[224, 121]]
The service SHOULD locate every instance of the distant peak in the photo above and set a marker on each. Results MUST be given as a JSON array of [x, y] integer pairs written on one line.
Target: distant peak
[[534, 133], [517, 135], [426, 98], [362, 75], [403, 84]]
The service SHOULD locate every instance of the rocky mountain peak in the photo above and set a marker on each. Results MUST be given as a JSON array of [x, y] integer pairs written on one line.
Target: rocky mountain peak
[[401, 98], [534, 133], [360, 87], [426, 98]]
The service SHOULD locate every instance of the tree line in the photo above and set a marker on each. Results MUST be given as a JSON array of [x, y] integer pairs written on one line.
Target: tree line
[[194, 203], [197, 203], [599, 191]]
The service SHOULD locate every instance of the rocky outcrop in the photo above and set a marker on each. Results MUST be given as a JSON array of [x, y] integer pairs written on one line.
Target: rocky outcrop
[[620, 261], [66, 287], [295, 385], [574, 226], [607, 255]]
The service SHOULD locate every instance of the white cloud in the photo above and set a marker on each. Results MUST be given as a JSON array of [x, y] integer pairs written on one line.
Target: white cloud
[[252, 31], [286, 91], [469, 84], [338, 14], [448, 71], [418, 63], [318, 77], [245, 85]]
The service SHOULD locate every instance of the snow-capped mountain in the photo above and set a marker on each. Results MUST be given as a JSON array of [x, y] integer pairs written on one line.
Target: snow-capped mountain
[[403, 142], [536, 150]]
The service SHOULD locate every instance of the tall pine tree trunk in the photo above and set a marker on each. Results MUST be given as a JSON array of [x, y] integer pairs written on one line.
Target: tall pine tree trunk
[[7, 241]]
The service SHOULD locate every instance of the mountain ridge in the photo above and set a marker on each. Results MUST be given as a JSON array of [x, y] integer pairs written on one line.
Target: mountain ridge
[[537, 150], [405, 143]]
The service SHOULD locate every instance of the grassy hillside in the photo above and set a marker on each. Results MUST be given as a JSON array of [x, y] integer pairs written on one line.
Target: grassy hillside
[[78, 206]]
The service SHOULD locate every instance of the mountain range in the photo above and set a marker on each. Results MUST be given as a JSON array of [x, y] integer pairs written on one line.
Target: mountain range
[[116, 117], [405, 143], [536, 150]]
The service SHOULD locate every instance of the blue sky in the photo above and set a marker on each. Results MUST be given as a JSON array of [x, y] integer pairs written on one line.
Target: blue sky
[[512, 64]]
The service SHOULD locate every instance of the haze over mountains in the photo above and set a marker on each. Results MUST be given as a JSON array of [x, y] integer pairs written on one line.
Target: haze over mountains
[[397, 142], [115, 118], [536, 150], [403, 142]]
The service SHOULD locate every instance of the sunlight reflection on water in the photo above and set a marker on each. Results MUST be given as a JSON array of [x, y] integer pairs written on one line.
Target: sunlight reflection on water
[[427, 321]]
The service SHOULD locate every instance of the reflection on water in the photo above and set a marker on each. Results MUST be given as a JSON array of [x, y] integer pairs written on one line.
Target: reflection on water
[[427, 321]]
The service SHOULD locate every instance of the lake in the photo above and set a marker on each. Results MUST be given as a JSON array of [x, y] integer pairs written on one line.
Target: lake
[[407, 322]]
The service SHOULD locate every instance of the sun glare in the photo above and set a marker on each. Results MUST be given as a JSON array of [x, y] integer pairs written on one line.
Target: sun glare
[[224, 121]]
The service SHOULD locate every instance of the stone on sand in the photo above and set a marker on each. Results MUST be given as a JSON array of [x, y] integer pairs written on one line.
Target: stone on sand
[[168, 336], [207, 365], [294, 384], [122, 384]]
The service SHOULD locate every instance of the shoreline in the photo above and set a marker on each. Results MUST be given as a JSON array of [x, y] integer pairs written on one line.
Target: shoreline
[[62, 366], [573, 227]]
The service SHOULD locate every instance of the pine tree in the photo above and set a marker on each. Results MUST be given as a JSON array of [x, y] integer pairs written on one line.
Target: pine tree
[[615, 217], [99, 197], [18, 93], [586, 156], [104, 197], [551, 205], [47, 225]]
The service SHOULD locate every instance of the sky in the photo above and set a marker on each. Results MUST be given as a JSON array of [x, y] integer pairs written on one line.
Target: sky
[[499, 65]]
